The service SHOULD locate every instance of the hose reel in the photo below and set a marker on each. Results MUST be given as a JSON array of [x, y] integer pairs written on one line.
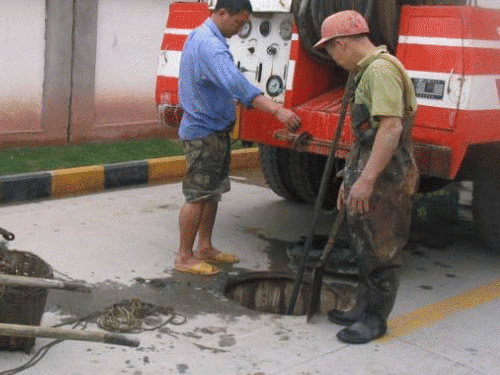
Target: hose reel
[[383, 19]]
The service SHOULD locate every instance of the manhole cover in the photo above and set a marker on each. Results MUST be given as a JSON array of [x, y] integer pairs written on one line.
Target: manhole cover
[[270, 293]]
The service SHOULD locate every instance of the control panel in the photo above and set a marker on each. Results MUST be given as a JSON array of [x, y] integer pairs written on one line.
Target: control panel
[[261, 51]]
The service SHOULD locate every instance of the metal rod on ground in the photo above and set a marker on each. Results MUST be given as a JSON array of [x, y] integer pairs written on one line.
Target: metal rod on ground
[[67, 334], [325, 181], [43, 283]]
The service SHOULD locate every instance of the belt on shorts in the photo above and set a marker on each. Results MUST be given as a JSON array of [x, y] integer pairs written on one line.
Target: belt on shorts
[[227, 131]]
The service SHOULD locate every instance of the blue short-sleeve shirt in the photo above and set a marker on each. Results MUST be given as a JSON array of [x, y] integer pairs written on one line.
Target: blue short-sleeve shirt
[[209, 83]]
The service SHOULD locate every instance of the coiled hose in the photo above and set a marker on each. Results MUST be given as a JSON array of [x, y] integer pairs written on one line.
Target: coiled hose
[[309, 15], [382, 17]]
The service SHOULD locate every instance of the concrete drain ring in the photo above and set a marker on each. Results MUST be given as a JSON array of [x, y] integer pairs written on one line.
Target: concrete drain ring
[[270, 292]]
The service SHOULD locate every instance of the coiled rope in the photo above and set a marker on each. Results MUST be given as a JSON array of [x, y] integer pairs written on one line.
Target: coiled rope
[[129, 315], [126, 316]]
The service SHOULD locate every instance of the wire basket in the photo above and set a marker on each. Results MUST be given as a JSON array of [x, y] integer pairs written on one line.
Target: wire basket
[[18, 304]]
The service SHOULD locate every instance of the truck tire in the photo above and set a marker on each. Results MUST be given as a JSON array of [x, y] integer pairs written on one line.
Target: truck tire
[[486, 211], [307, 170], [318, 163], [300, 167], [275, 163]]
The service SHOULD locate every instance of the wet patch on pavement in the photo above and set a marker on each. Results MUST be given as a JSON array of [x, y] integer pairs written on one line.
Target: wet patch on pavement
[[426, 287], [227, 340], [210, 349], [276, 251], [182, 368], [189, 295], [442, 265], [417, 253]]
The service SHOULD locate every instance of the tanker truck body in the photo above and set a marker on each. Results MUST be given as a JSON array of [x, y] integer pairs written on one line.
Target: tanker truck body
[[451, 50]]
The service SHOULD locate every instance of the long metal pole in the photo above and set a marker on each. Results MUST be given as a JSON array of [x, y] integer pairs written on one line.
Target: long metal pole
[[325, 181]]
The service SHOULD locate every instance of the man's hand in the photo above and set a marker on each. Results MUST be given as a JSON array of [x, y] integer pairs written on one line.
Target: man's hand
[[358, 201], [384, 147], [284, 115], [289, 118]]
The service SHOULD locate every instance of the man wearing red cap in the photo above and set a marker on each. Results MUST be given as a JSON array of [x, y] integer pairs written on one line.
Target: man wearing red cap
[[381, 175]]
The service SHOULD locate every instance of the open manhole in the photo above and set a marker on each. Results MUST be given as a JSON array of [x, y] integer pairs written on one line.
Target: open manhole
[[270, 293]]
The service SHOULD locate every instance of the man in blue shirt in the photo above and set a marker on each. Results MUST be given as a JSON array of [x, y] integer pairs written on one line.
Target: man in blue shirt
[[209, 84]]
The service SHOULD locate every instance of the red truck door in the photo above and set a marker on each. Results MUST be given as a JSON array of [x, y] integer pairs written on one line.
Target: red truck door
[[451, 53], [432, 50]]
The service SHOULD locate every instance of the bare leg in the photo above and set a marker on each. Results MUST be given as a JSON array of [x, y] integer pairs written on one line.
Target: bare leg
[[190, 218], [206, 251], [205, 247]]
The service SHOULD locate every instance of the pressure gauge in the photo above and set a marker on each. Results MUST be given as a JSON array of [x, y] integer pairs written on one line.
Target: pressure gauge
[[274, 86], [245, 30], [265, 28], [286, 28]]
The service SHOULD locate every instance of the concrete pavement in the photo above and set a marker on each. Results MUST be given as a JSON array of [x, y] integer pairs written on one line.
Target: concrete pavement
[[124, 241]]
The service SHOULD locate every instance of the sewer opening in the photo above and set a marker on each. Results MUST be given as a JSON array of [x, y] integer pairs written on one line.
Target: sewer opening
[[271, 292]]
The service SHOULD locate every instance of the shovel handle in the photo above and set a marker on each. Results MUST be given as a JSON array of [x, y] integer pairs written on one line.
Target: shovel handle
[[319, 268], [67, 334], [323, 186], [339, 220], [36, 282]]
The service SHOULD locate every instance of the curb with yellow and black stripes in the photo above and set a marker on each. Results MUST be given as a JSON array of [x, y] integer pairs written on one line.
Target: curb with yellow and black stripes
[[86, 180]]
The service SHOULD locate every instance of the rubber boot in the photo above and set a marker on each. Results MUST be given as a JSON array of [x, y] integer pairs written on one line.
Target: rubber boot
[[346, 318], [380, 296]]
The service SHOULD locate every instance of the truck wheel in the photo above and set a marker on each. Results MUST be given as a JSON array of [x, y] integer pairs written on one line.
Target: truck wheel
[[307, 170], [486, 211], [318, 163], [275, 163], [300, 168]]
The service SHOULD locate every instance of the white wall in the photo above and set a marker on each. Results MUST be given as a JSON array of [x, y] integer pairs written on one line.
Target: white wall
[[129, 36], [22, 46]]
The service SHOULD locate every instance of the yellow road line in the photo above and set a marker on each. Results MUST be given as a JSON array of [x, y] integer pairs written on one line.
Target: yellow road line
[[428, 315]]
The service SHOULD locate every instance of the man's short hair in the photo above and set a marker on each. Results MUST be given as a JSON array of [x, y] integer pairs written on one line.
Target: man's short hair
[[234, 6]]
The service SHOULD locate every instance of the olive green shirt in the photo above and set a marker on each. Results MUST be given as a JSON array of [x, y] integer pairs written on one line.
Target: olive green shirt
[[381, 88], [383, 91]]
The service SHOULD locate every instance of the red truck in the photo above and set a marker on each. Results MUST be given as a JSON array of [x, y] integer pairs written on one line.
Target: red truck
[[451, 50]]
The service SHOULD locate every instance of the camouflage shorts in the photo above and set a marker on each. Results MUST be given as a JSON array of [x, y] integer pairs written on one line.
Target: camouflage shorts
[[207, 161]]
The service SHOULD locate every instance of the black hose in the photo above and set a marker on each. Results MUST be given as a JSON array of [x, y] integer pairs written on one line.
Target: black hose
[[382, 17], [310, 14]]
